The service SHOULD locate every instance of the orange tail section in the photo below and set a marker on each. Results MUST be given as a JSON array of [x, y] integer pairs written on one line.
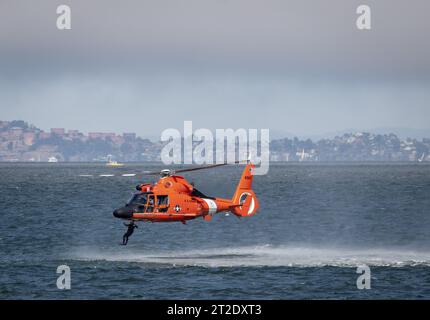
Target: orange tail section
[[245, 202]]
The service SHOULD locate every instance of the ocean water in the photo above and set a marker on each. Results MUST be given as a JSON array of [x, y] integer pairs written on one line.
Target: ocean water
[[316, 224]]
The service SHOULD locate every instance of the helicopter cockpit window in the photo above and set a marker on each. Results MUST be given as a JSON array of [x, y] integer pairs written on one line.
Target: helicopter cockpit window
[[138, 198], [150, 205]]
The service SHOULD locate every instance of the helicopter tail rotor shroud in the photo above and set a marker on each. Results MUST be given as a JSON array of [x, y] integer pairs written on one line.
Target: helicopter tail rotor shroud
[[245, 202]]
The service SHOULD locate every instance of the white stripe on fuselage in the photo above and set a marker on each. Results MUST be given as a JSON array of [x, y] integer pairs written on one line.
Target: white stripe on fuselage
[[212, 205]]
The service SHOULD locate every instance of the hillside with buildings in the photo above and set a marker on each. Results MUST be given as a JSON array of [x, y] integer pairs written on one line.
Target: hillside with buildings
[[361, 146], [20, 141]]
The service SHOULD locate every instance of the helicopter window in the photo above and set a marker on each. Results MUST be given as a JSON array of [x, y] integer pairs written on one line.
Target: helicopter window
[[138, 198], [163, 203], [162, 200], [150, 206]]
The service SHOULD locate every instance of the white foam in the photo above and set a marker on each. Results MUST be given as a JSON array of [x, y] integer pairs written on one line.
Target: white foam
[[269, 256]]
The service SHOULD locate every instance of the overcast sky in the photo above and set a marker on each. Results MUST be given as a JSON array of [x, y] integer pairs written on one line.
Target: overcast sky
[[298, 67]]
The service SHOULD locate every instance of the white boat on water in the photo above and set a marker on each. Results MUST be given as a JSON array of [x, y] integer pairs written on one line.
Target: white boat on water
[[52, 159]]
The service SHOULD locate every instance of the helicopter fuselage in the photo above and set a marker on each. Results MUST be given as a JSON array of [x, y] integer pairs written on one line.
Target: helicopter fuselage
[[173, 198]]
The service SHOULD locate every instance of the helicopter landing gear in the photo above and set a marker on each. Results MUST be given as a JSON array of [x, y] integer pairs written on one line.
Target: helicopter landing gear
[[130, 229]]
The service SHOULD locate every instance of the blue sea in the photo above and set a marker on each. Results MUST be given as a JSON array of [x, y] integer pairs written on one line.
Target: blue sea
[[317, 223]]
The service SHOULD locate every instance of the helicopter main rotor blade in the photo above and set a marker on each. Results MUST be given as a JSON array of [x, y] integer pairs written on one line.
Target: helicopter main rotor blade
[[201, 168], [208, 166], [157, 173], [149, 173]]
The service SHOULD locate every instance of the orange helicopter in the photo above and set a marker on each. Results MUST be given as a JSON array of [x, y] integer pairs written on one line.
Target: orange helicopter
[[173, 198]]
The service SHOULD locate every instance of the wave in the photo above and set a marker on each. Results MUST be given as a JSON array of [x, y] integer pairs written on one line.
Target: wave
[[267, 255]]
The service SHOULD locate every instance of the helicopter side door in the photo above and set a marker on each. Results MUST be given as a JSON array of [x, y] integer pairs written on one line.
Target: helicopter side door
[[162, 203]]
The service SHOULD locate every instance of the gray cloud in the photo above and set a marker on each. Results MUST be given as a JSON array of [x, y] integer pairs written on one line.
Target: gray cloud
[[299, 35], [299, 66]]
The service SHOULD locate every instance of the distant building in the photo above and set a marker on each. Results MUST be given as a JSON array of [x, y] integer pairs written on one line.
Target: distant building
[[95, 135], [101, 135], [29, 138], [44, 135], [58, 131], [129, 136], [73, 133], [110, 135], [15, 132], [4, 124]]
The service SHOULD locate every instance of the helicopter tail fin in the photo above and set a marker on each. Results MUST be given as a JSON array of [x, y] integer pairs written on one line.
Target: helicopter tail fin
[[245, 202]]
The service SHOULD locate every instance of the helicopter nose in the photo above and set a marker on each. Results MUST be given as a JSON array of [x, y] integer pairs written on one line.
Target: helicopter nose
[[123, 213]]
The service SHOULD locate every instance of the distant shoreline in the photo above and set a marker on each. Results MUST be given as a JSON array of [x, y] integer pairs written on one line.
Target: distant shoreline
[[23, 142]]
